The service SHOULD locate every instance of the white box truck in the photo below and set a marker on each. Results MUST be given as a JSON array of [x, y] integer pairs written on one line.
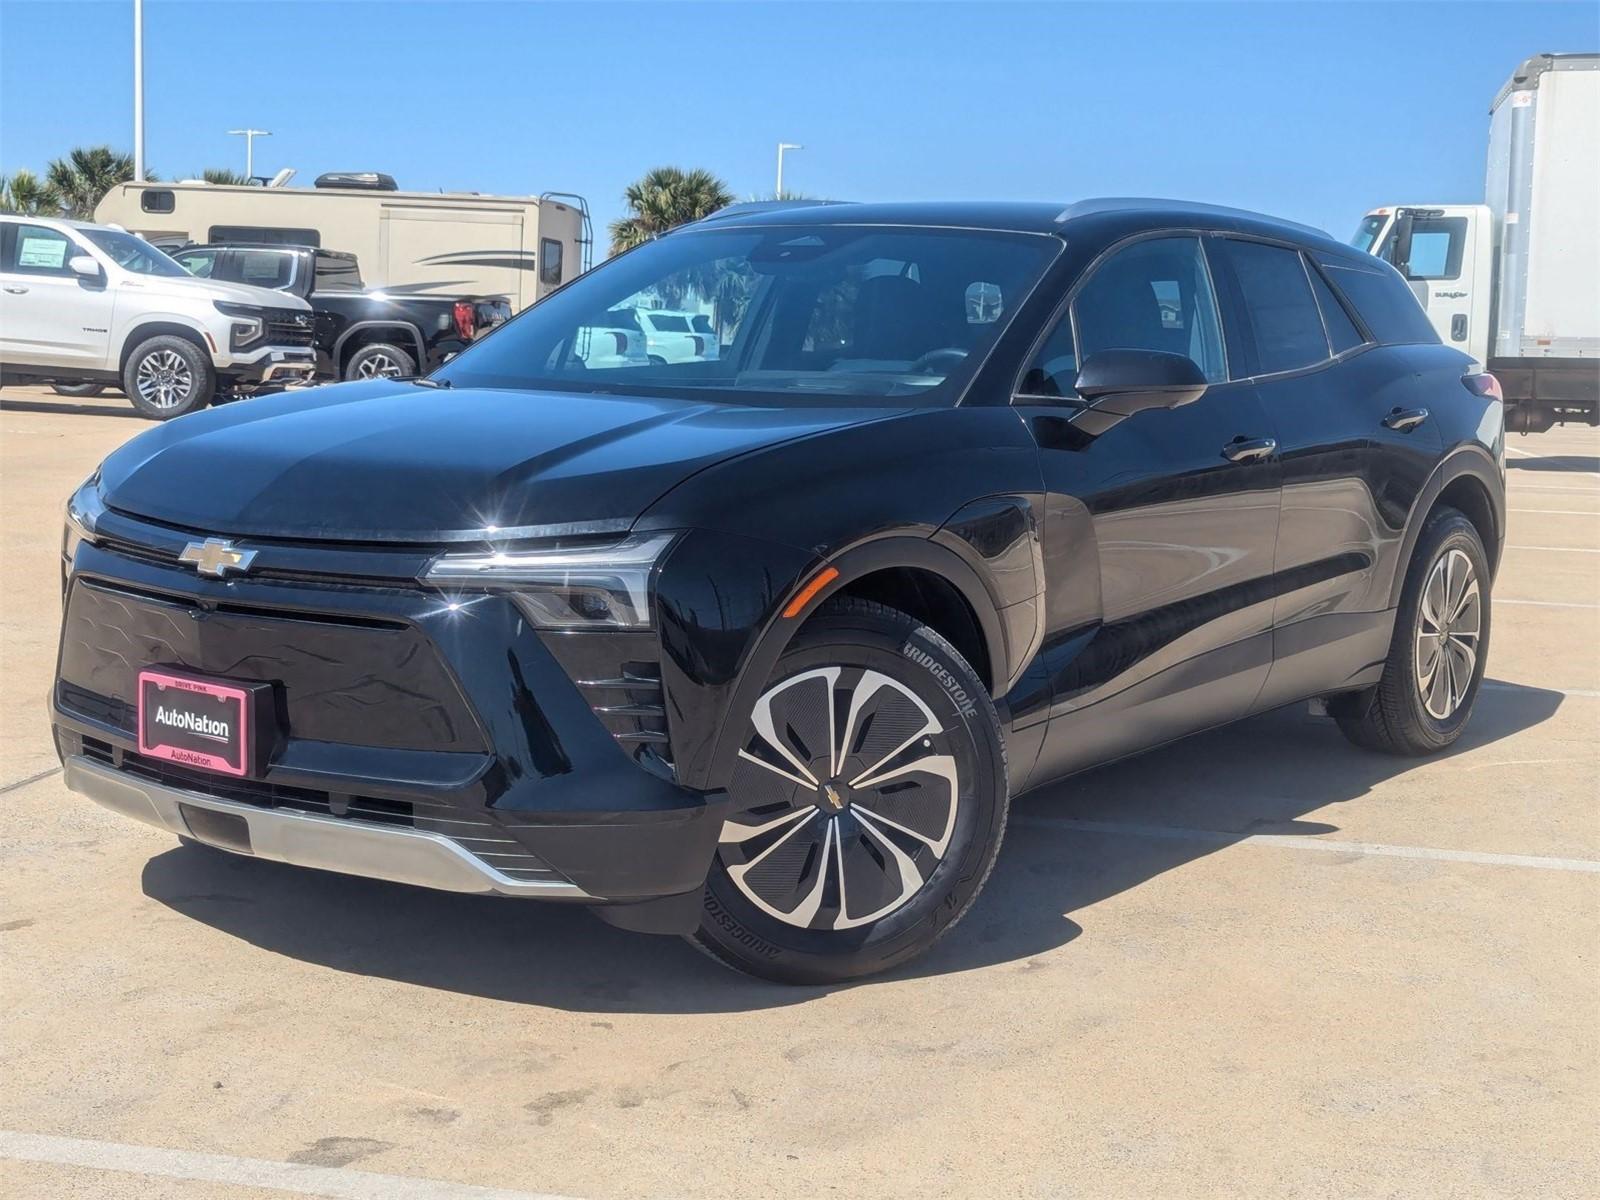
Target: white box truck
[[1515, 281]]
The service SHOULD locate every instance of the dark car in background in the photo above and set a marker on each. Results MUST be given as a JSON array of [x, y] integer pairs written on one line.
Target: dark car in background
[[757, 649], [361, 333]]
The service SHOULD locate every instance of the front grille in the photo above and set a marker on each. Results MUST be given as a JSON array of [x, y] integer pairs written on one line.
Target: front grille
[[288, 327], [479, 836], [351, 680]]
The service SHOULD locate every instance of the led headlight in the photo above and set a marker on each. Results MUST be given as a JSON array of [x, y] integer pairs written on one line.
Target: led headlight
[[581, 587], [83, 512], [247, 326]]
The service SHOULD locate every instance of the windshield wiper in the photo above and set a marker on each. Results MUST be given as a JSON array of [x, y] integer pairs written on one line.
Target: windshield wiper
[[433, 383]]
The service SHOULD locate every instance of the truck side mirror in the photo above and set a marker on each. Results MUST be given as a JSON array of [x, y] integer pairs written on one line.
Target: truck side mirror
[[1400, 248], [84, 267]]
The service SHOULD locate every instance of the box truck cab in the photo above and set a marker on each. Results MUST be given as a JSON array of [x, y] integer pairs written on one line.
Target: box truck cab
[[1514, 281]]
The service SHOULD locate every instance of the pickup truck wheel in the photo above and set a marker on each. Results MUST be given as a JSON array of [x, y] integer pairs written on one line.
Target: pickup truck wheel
[[167, 376], [380, 360], [1441, 642], [77, 389], [869, 801]]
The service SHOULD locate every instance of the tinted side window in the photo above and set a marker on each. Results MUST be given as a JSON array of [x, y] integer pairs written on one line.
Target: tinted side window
[[549, 261], [1342, 332], [1280, 312], [159, 201], [1153, 295], [199, 263], [1383, 299]]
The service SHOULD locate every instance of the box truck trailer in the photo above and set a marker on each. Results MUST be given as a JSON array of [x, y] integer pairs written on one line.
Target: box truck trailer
[[1515, 281], [520, 248]]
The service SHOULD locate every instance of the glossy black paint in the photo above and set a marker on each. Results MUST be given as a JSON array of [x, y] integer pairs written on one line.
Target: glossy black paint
[[1116, 582]]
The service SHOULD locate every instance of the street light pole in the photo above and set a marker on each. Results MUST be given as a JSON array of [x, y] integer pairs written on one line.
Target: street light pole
[[782, 146], [138, 89], [250, 136]]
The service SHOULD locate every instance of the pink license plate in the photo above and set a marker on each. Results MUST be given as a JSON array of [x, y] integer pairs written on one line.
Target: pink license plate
[[194, 722]]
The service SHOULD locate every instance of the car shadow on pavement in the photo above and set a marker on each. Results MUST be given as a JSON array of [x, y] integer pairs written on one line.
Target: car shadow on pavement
[[1261, 776]]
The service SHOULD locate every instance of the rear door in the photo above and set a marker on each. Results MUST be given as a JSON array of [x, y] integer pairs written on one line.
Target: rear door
[[1159, 532], [1353, 451]]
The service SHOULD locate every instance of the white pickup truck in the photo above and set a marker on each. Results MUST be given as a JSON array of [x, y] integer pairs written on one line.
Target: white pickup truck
[[1515, 281], [84, 304]]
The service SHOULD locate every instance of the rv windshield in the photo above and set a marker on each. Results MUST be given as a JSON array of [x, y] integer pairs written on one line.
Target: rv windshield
[[790, 314], [133, 254]]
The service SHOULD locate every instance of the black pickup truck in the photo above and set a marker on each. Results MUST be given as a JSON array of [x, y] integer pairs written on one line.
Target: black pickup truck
[[361, 333]]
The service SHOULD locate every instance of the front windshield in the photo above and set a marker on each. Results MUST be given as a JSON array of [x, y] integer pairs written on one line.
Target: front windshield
[[133, 254], [1368, 232], [788, 315]]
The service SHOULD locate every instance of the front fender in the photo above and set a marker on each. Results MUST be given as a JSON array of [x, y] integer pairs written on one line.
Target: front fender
[[720, 600]]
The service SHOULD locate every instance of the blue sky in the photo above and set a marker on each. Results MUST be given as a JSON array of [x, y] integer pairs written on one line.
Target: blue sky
[[1313, 111]]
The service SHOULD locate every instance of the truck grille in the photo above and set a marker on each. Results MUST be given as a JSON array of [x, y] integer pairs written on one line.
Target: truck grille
[[289, 327]]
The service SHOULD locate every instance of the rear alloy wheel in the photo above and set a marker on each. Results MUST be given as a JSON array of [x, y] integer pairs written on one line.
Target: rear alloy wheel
[[380, 360], [1441, 641], [869, 801]]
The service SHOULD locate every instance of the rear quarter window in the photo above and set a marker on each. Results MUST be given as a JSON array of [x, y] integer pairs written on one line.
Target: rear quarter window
[[1383, 299]]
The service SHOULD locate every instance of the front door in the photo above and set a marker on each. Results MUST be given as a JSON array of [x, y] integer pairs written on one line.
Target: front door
[[1159, 532], [49, 316]]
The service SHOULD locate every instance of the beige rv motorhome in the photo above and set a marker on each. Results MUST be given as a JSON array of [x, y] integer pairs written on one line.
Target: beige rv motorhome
[[518, 247]]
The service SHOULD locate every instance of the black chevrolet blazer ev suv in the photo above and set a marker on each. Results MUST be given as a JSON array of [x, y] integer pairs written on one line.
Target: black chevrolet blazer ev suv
[[757, 648]]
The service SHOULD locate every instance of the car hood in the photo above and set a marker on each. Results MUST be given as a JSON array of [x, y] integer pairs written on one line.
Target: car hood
[[394, 462], [212, 289]]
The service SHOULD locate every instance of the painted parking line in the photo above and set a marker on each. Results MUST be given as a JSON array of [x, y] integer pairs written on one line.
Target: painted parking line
[[1560, 549], [1546, 603], [1282, 841], [22, 783], [1559, 512], [297, 1178]]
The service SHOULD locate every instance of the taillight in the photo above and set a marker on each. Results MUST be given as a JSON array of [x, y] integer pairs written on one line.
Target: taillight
[[1481, 383], [464, 316]]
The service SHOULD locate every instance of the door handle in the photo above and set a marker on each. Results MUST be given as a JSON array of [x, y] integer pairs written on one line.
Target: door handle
[[16, 291], [1246, 450], [1403, 420]]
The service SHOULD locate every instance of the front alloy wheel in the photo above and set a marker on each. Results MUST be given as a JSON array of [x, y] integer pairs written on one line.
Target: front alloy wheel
[[164, 380], [869, 799]]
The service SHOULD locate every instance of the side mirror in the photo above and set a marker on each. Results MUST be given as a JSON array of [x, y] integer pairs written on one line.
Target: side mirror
[[84, 266], [1400, 247], [1119, 383]]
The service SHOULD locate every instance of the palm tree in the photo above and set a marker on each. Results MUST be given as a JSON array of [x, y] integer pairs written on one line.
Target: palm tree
[[223, 175], [86, 175], [664, 199], [27, 194]]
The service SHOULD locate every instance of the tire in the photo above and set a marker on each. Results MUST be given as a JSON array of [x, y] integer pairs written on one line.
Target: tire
[[380, 360], [167, 376], [78, 390], [1430, 682], [778, 902]]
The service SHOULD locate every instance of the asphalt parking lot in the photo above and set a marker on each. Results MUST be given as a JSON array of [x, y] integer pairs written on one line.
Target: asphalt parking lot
[[1259, 962]]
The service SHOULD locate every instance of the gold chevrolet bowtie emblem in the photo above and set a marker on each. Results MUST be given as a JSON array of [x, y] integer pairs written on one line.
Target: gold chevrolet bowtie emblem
[[832, 793]]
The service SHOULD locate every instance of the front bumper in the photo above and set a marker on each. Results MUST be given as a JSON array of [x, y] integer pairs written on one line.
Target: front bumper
[[442, 748], [304, 839], [272, 365]]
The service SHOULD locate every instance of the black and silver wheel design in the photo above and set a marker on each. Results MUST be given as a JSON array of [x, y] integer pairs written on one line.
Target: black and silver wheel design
[[851, 795], [1449, 623], [868, 802], [1436, 658], [168, 376], [380, 360]]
